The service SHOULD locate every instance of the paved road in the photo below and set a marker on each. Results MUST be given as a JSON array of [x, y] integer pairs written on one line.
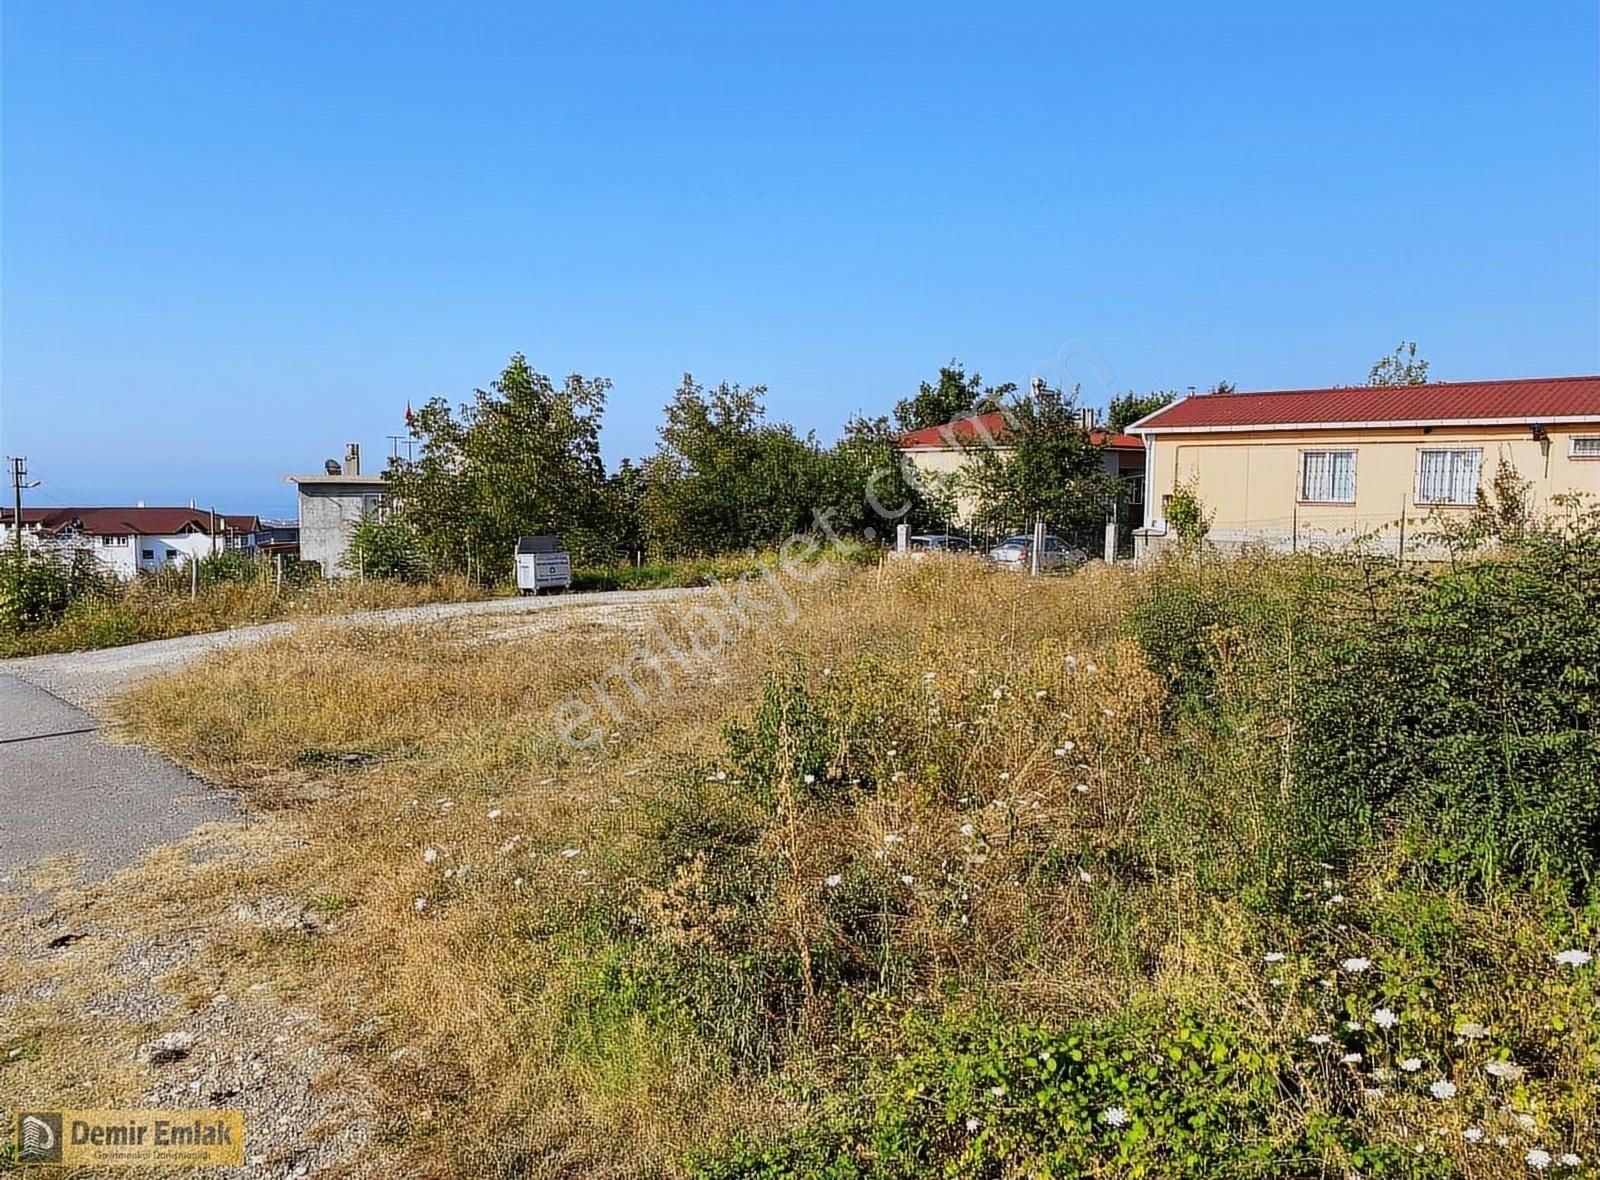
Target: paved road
[[64, 789]]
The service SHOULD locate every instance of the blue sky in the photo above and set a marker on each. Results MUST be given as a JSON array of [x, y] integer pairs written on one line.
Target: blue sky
[[237, 235]]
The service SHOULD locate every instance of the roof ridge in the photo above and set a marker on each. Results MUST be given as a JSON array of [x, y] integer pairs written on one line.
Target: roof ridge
[[1424, 385]]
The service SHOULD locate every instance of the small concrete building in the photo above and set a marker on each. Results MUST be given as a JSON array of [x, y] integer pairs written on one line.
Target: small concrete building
[[332, 503]]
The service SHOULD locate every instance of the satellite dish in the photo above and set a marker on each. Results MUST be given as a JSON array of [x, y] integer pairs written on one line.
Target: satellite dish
[[331, 467]]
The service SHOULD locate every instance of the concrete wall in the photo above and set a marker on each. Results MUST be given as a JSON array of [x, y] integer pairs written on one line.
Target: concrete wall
[[1249, 481], [329, 513]]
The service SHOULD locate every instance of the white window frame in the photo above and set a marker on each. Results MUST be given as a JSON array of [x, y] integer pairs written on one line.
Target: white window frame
[[1589, 456], [1300, 491], [1417, 497]]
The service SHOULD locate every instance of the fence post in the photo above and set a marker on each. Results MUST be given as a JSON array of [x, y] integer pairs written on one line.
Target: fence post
[[1036, 548]]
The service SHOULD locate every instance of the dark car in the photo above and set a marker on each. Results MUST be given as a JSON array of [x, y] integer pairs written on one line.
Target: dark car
[[938, 543]]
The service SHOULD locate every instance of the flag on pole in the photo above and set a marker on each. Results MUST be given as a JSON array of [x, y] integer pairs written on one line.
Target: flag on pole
[[411, 419]]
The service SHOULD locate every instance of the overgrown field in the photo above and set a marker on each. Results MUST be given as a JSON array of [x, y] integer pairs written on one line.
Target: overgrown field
[[1272, 867]]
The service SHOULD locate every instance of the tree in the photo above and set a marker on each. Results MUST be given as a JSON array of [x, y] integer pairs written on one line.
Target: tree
[[522, 457], [1051, 469], [1128, 408], [867, 484], [954, 395], [723, 479], [1402, 367]]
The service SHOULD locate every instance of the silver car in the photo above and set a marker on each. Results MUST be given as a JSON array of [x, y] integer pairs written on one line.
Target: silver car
[[1017, 553]]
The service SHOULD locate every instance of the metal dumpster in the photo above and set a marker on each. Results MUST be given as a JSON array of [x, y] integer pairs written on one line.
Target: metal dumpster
[[542, 565]]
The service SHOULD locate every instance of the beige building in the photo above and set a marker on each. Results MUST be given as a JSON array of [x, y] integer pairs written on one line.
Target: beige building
[[940, 452], [1304, 468]]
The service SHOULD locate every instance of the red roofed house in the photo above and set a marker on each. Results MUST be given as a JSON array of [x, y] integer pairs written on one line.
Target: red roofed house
[[941, 451], [126, 541], [1322, 466]]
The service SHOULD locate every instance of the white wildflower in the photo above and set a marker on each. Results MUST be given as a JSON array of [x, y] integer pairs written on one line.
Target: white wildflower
[[998, 693], [420, 904], [1574, 958], [907, 879], [1318, 1039], [892, 837], [494, 813], [1356, 965], [1273, 957], [569, 853], [1353, 1026], [1472, 1135], [1411, 1064], [967, 829], [1350, 1059], [1443, 1090], [1385, 1018], [1081, 788], [997, 1091], [810, 778], [1085, 876], [1275, 981], [1508, 1070], [1538, 1159], [1336, 899], [1040, 695], [1114, 1116], [1472, 1031], [973, 1123], [1570, 1159], [429, 855], [832, 881], [1527, 1122]]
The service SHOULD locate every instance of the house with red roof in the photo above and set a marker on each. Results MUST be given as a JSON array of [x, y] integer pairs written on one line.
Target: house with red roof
[[128, 541], [940, 452], [1307, 467]]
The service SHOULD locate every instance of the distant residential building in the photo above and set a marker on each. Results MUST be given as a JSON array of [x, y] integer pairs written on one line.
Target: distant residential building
[[332, 503], [1324, 466], [129, 541], [942, 451]]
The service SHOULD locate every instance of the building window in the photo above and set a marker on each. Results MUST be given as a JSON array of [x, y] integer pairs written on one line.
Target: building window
[[1448, 477], [1327, 477], [1586, 446], [147, 554], [114, 539]]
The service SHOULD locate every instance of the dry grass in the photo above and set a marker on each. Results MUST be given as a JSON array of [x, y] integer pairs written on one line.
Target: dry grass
[[537, 1015]]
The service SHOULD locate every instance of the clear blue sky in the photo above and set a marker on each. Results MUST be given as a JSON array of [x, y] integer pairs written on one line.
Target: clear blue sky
[[238, 234]]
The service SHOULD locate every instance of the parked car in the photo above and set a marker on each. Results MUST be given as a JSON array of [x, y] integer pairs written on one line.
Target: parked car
[[938, 543], [1017, 553]]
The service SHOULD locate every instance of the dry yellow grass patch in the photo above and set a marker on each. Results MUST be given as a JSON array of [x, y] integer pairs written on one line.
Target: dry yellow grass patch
[[391, 748]]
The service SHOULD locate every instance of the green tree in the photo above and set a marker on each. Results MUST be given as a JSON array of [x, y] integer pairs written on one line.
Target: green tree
[[522, 457], [954, 395], [867, 484], [724, 479], [1049, 469], [1128, 408], [1401, 367]]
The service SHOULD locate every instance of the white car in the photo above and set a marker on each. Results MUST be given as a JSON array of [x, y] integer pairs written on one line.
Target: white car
[[1017, 553]]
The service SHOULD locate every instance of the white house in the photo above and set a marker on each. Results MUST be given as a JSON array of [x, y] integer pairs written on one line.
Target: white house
[[128, 541]]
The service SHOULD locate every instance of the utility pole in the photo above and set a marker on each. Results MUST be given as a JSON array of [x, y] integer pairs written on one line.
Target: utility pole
[[19, 480]]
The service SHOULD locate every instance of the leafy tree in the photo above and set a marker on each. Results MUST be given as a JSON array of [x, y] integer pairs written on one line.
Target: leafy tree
[[1401, 367], [1127, 408], [867, 484], [1050, 469], [387, 547], [625, 496], [522, 457], [723, 478], [1188, 516], [954, 395]]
